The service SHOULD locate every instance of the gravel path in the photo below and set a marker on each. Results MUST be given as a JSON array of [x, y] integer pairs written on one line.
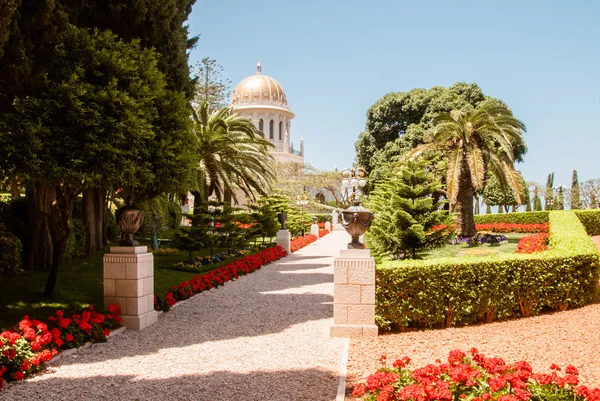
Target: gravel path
[[569, 337], [263, 337]]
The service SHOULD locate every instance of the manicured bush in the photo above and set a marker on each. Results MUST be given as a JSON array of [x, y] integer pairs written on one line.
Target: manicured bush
[[590, 220], [514, 218], [458, 291]]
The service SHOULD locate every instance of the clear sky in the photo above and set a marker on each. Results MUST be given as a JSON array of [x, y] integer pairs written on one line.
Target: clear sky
[[336, 58]]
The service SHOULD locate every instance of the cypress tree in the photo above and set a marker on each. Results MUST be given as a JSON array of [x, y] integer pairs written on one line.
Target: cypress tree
[[408, 218], [575, 193], [537, 202], [549, 197]]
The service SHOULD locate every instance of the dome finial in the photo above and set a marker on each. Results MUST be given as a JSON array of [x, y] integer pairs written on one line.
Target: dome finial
[[258, 68]]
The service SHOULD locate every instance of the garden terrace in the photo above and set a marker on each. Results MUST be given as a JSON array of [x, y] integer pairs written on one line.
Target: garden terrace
[[448, 292]]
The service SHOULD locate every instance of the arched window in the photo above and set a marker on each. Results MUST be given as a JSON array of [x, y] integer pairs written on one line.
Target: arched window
[[261, 125], [271, 123], [280, 130]]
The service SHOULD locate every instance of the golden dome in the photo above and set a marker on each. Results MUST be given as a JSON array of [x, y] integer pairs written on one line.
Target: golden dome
[[259, 90]]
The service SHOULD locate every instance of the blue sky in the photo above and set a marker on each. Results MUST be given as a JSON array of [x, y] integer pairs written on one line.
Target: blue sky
[[336, 58]]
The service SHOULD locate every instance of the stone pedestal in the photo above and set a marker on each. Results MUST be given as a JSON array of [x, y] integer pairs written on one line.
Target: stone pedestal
[[283, 240], [314, 230], [328, 226], [354, 294], [129, 281]]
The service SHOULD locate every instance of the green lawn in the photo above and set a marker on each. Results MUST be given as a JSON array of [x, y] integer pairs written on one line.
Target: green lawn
[[481, 250], [79, 284]]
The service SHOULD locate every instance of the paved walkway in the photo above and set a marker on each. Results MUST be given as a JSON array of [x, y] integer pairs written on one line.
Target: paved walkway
[[263, 337]]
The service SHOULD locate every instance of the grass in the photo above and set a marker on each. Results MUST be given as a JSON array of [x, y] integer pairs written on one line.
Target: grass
[[80, 283], [481, 250]]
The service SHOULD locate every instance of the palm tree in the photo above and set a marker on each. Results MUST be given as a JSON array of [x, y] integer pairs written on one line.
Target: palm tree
[[233, 154], [475, 142]]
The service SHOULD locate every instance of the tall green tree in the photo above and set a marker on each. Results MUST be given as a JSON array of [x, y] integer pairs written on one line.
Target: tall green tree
[[399, 121], [474, 142], [233, 155], [408, 218], [549, 195], [495, 194], [575, 192], [211, 87], [537, 202], [7, 21], [90, 123]]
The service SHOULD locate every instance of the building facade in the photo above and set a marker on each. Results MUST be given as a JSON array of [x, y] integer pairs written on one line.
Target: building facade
[[262, 99]]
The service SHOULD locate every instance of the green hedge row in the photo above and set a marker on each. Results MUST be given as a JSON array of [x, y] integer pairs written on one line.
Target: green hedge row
[[513, 218], [590, 220], [448, 292]]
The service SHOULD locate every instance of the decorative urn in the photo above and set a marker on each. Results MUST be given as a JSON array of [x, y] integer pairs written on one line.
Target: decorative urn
[[356, 220], [282, 218], [315, 219], [129, 219]]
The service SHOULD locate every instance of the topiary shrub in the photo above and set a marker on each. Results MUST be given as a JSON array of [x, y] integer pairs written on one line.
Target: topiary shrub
[[590, 220], [515, 218], [457, 291], [10, 253], [75, 248]]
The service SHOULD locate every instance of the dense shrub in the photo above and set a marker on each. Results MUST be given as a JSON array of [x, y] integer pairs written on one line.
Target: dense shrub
[[457, 291], [590, 220], [515, 218], [75, 248], [10, 253], [514, 228]]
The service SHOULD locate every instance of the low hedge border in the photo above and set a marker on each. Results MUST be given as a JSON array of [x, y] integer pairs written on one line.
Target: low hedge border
[[590, 220], [514, 218], [448, 292]]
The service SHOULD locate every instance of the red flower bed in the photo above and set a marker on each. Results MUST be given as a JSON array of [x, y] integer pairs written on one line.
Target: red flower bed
[[25, 348], [514, 228], [534, 243], [301, 242], [504, 228], [323, 232], [217, 277], [477, 378], [321, 225]]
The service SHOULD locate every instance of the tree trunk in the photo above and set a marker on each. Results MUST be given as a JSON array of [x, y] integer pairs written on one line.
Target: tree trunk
[[14, 188], [464, 204], [59, 230], [39, 201], [94, 218]]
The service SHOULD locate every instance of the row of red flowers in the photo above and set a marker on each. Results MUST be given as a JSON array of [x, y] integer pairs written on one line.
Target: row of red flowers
[[25, 348], [217, 277], [534, 243], [477, 379], [506, 228], [301, 242], [323, 232]]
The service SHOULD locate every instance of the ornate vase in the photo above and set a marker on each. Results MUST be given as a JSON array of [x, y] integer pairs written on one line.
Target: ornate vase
[[282, 218], [129, 219], [315, 219], [356, 220]]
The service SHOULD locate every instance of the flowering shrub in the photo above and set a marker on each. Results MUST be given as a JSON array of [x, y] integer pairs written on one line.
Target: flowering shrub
[[506, 228], [534, 243], [321, 225], [301, 242], [217, 277], [477, 378], [164, 251], [323, 232], [25, 348]]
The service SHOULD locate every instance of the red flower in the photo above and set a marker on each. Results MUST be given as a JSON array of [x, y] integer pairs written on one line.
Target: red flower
[[554, 367], [571, 370], [18, 375], [359, 390], [69, 337]]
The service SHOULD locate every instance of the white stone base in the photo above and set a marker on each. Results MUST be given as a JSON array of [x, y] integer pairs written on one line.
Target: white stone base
[[283, 239], [314, 230], [140, 322], [354, 294], [129, 281], [328, 226]]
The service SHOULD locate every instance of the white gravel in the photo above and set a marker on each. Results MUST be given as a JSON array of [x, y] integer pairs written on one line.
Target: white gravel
[[263, 337]]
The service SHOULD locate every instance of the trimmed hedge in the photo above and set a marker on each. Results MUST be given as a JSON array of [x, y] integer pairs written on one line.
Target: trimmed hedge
[[590, 220], [448, 292], [514, 218]]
